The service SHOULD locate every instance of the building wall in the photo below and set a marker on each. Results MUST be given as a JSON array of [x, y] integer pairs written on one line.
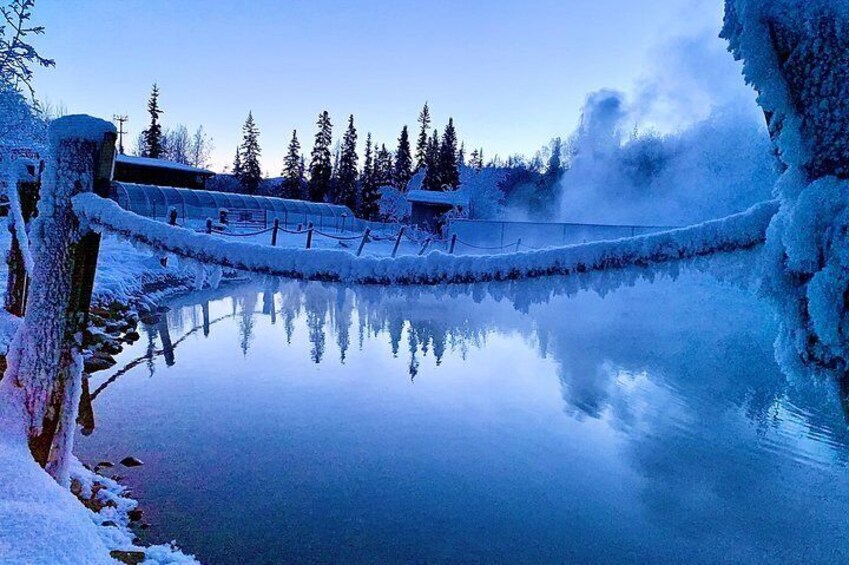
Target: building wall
[[428, 216], [126, 172]]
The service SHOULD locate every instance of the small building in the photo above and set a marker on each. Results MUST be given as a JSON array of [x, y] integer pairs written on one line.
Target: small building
[[428, 207], [159, 172]]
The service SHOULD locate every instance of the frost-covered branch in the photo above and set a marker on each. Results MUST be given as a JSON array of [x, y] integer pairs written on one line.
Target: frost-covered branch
[[794, 53], [17, 55]]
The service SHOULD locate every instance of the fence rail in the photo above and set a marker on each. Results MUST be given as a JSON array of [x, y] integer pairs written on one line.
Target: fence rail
[[490, 235]]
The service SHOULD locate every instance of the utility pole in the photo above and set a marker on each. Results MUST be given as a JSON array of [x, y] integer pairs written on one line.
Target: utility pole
[[120, 119]]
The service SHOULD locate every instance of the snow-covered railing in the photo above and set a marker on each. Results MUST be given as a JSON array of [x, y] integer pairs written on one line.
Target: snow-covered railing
[[739, 231]]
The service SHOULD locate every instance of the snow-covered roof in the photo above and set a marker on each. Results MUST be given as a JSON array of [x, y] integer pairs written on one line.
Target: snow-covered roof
[[449, 198], [160, 164]]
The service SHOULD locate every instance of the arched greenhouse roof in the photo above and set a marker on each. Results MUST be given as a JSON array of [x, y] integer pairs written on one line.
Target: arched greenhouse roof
[[155, 201]]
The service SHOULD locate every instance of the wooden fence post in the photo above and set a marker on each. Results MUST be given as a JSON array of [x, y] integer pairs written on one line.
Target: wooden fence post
[[363, 241], [172, 221], [309, 235], [424, 247], [48, 352], [398, 241], [274, 232], [209, 225], [518, 244], [453, 243], [17, 281]]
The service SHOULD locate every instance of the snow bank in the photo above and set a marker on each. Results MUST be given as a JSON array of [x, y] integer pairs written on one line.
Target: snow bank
[[735, 232], [41, 521]]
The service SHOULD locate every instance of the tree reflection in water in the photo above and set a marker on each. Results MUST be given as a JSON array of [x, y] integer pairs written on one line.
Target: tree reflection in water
[[659, 343]]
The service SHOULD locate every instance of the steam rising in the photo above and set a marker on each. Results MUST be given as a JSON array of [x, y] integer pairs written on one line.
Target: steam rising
[[688, 145]]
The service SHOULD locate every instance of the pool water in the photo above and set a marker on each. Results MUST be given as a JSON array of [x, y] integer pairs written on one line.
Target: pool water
[[631, 416]]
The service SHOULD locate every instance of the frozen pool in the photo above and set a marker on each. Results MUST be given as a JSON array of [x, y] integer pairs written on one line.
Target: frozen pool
[[630, 416]]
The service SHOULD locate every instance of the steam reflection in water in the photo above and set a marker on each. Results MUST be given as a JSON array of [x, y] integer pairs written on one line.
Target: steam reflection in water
[[623, 416]]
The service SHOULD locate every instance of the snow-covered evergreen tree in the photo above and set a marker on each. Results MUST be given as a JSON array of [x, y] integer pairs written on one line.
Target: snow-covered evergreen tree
[[320, 160], [293, 175], [237, 164], [545, 200], [449, 174], [422, 142], [384, 170], [431, 179], [153, 139], [403, 161], [347, 192], [370, 194], [475, 160], [251, 176]]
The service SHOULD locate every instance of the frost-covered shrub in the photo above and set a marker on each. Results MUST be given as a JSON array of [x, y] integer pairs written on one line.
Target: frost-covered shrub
[[794, 54], [392, 205]]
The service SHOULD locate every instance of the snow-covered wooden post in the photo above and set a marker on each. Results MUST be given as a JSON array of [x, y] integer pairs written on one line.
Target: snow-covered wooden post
[[398, 241], [45, 358], [309, 235], [22, 204], [794, 53], [363, 241]]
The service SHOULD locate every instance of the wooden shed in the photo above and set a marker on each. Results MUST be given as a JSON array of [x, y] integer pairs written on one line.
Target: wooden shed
[[159, 172], [428, 207]]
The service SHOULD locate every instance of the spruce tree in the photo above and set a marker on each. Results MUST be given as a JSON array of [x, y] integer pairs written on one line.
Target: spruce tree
[[461, 155], [431, 179], [251, 177], [370, 195], [321, 169], [474, 160], [153, 140], [403, 161], [449, 174], [422, 143], [293, 174], [384, 169], [347, 193], [237, 164], [544, 200], [302, 168]]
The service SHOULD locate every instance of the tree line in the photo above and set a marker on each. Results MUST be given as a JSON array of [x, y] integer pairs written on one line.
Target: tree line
[[340, 174]]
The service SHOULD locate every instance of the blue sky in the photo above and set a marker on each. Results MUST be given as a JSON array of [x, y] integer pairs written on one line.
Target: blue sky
[[513, 74]]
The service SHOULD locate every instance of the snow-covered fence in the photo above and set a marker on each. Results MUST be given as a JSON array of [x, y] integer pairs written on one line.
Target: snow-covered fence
[[45, 357], [497, 235], [735, 232], [22, 186]]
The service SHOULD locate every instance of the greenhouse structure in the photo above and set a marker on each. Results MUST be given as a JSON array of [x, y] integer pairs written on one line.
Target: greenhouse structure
[[156, 201]]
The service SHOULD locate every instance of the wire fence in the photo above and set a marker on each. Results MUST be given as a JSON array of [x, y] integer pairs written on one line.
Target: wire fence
[[480, 237], [493, 235]]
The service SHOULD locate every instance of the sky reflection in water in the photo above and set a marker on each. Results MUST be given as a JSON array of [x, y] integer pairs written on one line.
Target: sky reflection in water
[[624, 416]]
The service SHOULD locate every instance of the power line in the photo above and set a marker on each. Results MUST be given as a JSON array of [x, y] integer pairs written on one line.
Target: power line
[[120, 119]]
